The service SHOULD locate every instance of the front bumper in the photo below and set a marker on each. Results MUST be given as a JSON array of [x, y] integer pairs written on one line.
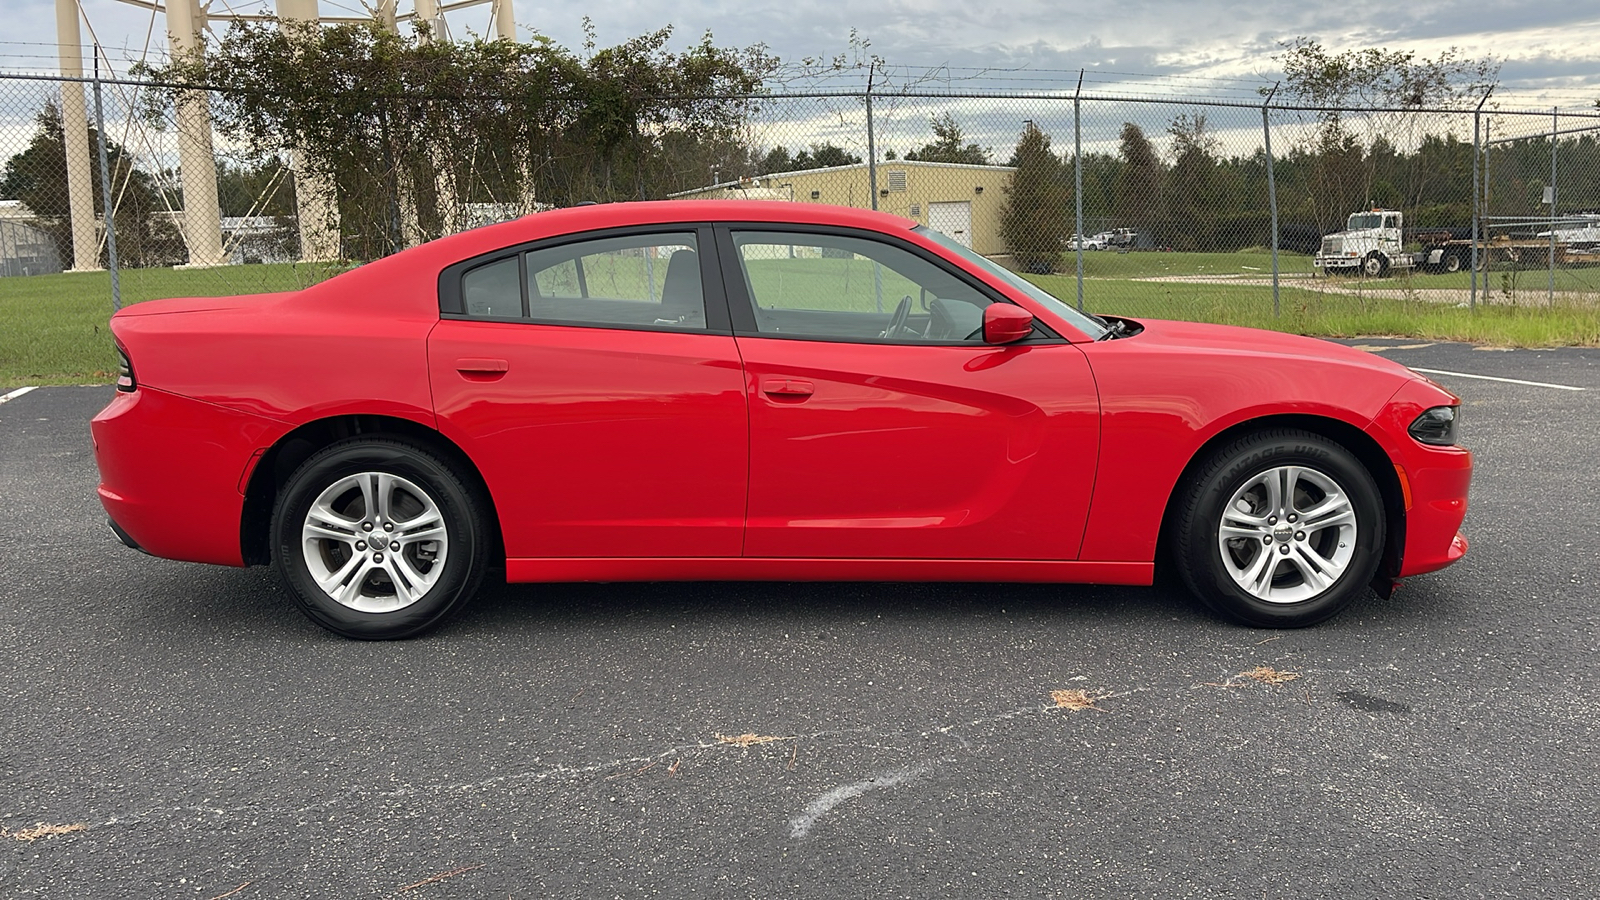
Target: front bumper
[[1435, 482]]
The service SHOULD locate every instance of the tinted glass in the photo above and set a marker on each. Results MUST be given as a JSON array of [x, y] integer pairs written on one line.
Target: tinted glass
[[642, 281], [493, 290], [830, 286]]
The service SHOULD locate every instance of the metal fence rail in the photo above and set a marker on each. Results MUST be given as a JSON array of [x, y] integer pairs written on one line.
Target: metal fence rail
[[1135, 205]]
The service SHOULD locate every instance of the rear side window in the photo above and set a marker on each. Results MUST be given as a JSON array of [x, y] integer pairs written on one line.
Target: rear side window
[[647, 280], [493, 290], [650, 280]]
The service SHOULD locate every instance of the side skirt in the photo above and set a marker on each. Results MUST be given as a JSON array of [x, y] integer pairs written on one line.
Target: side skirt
[[745, 569]]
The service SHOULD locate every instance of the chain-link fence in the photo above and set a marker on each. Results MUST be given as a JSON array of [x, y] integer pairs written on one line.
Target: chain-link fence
[[1139, 206]]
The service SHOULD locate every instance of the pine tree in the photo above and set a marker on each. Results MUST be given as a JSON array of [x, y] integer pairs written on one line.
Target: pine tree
[[1035, 222]]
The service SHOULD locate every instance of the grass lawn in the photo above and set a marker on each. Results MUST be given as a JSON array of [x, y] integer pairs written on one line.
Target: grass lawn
[[53, 327]]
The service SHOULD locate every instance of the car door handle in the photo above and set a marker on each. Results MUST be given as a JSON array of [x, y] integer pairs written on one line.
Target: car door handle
[[475, 367], [787, 387]]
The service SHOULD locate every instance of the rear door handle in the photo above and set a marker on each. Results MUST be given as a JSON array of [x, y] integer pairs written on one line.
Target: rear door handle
[[788, 387], [477, 367]]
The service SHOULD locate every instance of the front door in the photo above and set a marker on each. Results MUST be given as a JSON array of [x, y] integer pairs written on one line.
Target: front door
[[881, 425]]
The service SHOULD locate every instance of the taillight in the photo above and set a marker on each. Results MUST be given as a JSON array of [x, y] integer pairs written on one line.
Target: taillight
[[125, 380]]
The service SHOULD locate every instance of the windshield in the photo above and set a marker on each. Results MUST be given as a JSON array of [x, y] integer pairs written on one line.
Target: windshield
[[1089, 325], [1364, 220]]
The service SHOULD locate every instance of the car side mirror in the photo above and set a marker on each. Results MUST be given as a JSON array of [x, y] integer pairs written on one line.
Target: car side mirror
[[1004, 323]]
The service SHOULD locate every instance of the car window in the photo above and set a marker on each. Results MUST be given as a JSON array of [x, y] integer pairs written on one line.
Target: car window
[[839, 287], [639, 280], [493, 290]]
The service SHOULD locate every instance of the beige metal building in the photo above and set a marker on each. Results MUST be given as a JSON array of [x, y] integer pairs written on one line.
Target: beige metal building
[[962, 201]]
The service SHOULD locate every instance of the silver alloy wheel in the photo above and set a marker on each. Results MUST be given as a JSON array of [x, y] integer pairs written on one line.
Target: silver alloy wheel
[[374, 542], [1287, 534]]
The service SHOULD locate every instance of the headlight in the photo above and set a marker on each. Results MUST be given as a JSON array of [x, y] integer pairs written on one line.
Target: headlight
[[1437, 426]]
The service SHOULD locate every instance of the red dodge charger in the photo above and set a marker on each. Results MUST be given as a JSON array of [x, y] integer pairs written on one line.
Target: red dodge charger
[[746, 390]]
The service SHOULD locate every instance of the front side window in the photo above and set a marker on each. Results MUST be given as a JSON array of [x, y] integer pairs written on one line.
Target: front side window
[[847, 288], [650, 280]]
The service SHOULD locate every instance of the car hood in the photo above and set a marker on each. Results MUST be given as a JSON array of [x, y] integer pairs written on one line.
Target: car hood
[[1235, 341]]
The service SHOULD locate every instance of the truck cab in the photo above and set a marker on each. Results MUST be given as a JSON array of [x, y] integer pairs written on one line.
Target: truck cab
[[1369, 244]]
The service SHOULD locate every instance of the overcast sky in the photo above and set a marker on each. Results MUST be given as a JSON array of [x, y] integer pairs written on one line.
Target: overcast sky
[[1550, 48]]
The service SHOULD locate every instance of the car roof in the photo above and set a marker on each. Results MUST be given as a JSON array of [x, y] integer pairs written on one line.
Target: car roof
[[601, 214], [575, 219]]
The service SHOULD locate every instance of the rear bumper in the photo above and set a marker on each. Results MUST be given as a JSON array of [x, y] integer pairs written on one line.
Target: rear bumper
[[170, 473]]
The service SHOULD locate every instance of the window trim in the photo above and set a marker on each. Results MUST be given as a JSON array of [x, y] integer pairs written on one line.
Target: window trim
[[452, 302], [741, 303]]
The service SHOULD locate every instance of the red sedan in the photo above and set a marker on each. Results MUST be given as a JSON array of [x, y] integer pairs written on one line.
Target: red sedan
[[745, 390]]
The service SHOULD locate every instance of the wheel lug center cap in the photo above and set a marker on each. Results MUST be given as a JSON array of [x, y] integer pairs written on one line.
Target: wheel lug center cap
[[1283, 533]]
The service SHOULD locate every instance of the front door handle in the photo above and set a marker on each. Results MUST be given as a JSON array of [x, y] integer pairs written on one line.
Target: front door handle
[[787, 387]]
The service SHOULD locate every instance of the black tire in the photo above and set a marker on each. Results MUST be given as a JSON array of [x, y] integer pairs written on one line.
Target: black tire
[[1236, 473], [378, 608], [1375, 265], [1452, 262]]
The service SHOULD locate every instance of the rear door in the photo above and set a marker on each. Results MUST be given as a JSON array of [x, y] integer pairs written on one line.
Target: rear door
[[881, 425], [600, 394]]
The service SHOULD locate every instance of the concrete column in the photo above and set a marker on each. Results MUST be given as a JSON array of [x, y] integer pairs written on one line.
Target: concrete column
[[451, 214], [505, 22], [505, 29], [75, 136], [427, 12], [202, 219], [316, 201]]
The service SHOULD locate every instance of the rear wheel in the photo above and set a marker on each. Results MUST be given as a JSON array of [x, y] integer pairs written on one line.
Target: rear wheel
[[1452, 262], [378, 539], [1281, 529]]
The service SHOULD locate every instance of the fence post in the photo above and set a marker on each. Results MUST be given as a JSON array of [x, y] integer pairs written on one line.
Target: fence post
[[1555, 131], [1077, 178], [105, 187], [1272, 196], [872, 145], [1477, 206]]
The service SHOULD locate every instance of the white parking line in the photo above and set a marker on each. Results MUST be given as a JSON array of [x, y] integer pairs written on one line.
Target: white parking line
[[1559, 387], [15, 394]]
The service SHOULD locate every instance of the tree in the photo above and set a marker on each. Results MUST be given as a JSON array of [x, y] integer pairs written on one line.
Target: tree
[[410, 130], [949, 145], [1194, 201], [38, 177], [1138, 199], [1034, 223], [1387, 88]]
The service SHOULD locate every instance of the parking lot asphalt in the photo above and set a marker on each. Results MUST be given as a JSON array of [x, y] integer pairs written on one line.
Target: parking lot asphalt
[[174, 730]]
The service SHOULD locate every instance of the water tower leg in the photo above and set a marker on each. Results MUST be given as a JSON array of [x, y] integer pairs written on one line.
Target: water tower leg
[[202, 218], [75, 134], [315, 199]]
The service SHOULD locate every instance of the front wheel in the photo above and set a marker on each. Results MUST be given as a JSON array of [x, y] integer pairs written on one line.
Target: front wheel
[[378, 539], [1374, 266], [1281, 529]]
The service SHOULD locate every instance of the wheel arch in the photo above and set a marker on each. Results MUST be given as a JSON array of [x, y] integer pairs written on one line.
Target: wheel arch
[[280, 461], [1360, 444]]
